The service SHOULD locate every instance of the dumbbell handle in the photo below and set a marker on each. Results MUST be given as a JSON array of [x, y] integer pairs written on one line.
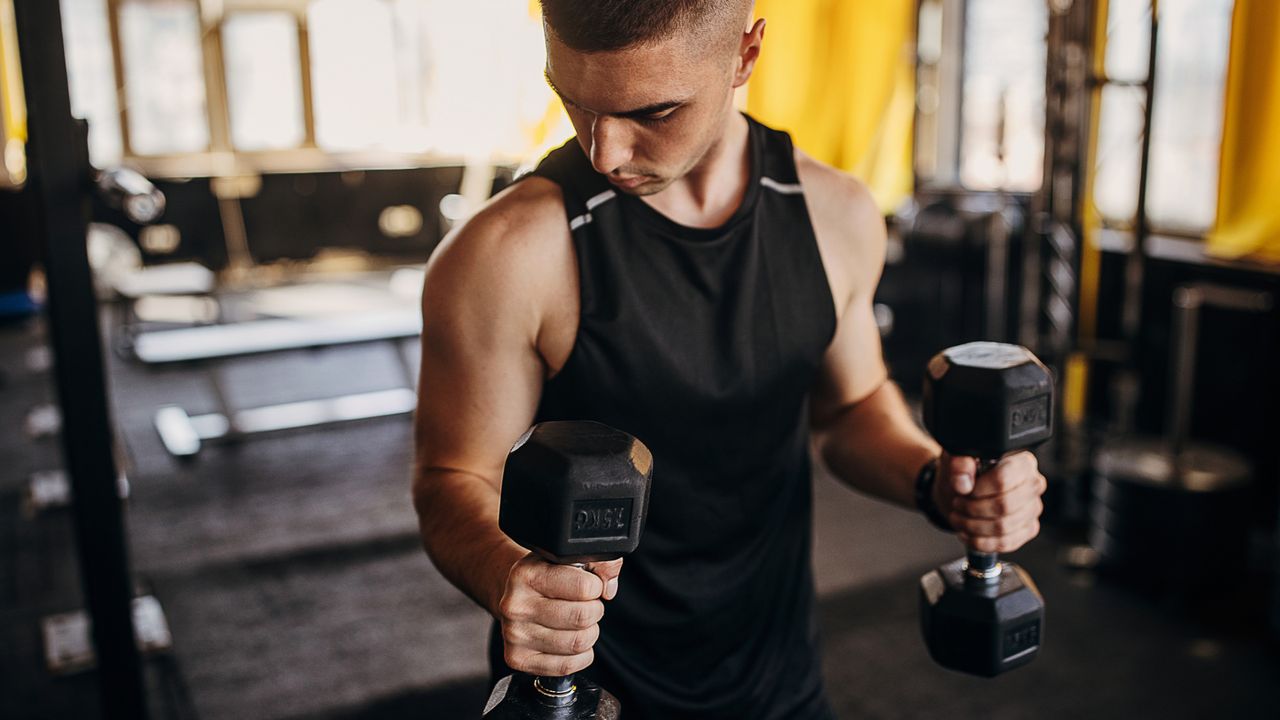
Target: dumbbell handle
[[557, 691], [983, 566]]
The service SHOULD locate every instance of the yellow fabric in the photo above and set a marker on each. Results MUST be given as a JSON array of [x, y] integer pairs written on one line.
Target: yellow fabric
[[839, 75], [13, 108], [1091, 252], [11, 100], [1248, 221]]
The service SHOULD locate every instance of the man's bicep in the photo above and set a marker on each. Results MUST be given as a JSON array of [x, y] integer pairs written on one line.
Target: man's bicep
[[853, 366], [481, 376]]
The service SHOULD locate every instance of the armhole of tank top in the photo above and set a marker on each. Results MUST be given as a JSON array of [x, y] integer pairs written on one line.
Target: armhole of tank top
[[795, 186], [574, 208]]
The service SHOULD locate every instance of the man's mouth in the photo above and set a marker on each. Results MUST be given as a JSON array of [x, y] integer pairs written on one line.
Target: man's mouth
[[628, 182]]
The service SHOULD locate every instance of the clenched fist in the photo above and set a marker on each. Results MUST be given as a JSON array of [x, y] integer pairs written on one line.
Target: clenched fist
[[550, 614], [999, 511]]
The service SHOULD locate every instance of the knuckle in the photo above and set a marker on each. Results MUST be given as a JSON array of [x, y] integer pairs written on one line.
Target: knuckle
[[580, 615], [509, 607], [581, 642], [566, 665], [528, 575], [514, 658]]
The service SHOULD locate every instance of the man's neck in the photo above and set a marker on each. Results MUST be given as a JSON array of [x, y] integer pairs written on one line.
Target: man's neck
[[712, 191]]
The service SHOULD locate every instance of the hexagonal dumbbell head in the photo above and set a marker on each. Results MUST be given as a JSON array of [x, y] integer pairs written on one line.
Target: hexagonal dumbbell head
[[576, 492], [985, 399], [981, 629]]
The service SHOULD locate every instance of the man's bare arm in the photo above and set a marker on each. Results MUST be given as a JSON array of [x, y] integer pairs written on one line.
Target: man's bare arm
[[863, 429], [499, 316], [478, 389], [862, 426]]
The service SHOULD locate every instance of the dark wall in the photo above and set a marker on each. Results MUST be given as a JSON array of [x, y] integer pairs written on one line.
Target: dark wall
[[1237, 385], [294, 216], [938, 288], [19, 242]]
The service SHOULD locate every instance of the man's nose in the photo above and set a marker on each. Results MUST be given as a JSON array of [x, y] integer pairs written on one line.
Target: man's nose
[[610, 144]]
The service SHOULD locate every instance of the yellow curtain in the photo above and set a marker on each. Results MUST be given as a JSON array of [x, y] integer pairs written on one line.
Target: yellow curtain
[[13, 107], [839, 75], [1248, 215]]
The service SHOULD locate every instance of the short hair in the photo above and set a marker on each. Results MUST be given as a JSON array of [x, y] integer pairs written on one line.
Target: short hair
[[604, 25]]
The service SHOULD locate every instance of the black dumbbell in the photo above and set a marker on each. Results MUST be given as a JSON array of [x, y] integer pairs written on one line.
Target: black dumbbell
[[984, 400], [574, 493]]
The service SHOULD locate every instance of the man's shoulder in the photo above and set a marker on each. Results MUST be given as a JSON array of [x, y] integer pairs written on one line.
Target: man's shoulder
[[849, 225], [524, 221], [833, 187], [530, 208], [514, 244]]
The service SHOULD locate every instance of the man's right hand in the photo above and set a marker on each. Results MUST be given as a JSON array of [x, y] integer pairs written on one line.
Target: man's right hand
[[550, 614]]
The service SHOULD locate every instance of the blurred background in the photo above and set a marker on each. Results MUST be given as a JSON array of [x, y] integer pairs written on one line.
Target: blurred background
[[214, 216]]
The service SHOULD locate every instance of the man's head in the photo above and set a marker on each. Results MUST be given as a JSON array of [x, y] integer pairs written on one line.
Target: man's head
[[648, 84]]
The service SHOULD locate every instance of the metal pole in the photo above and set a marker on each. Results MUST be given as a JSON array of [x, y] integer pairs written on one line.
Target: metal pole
[[1132, 317], [61, 184]]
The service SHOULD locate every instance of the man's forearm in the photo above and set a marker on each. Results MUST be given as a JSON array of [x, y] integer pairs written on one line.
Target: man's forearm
[[876, 447], [458, 519]]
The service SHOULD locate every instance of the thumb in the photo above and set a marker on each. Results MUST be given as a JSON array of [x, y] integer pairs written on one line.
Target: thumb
[[960, 473], [608, 573]]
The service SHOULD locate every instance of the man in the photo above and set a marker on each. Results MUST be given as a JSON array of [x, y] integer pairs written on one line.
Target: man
[[679, 272]]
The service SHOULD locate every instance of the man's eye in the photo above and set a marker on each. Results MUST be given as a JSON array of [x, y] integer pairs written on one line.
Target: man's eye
[[655, 119]]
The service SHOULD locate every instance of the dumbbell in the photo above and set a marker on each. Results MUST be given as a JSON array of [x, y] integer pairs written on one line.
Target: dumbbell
[[984, 400], [573, 492]]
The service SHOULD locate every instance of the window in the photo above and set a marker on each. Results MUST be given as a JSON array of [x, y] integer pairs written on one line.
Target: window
[[1191, 62], [456, 77], [164, 81], [264, 86], [1191, 65], [353, 75], [400, 76], [1002, 124], [92, 78]]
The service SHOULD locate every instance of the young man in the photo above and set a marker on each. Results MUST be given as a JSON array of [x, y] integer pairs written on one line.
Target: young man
[[679, 272]]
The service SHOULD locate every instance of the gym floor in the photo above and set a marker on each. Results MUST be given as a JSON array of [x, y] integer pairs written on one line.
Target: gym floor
[[294, 585]]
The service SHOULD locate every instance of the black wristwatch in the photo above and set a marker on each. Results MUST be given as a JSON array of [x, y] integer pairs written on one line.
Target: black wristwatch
[[924, 496]]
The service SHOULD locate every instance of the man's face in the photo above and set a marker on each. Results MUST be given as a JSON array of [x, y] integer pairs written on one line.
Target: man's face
[[645, 116]]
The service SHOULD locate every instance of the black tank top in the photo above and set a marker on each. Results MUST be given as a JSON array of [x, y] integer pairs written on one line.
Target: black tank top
[[704, 343]]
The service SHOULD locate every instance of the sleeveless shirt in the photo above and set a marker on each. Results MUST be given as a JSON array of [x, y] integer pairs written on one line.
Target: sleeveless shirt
[[704, 344]]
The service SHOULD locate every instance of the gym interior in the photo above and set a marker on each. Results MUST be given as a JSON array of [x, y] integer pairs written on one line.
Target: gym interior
[[215, 220]]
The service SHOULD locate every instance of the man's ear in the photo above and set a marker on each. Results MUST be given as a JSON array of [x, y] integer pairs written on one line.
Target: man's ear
[[748, 52]]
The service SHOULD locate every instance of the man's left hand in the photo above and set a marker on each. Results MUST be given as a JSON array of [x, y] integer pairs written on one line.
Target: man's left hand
[[997, 512]]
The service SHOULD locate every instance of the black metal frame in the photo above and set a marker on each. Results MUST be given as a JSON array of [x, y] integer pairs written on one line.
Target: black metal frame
[[60, 181]]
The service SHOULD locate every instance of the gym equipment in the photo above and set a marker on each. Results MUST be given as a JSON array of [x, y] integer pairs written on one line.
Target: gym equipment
[[984, 400], [574, 493], [67, 649], [132, 193], [1163, 504], [391, 313], [59, 170]]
